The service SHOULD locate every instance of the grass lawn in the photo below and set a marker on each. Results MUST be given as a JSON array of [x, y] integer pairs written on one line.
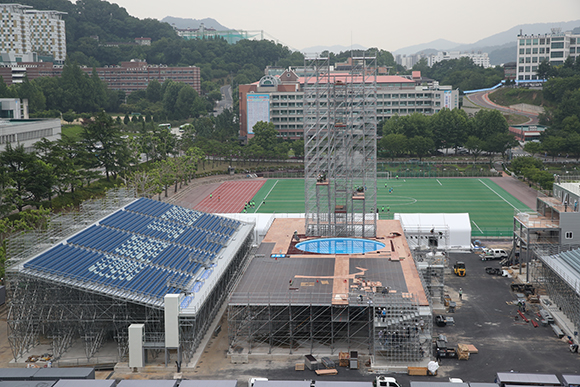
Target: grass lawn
[[490, 208]]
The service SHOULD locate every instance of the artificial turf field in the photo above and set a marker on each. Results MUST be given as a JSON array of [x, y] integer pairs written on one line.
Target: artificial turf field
[[490, 207]]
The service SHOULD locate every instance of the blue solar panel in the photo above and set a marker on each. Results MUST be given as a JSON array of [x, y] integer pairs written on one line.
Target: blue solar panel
[[149, 248]]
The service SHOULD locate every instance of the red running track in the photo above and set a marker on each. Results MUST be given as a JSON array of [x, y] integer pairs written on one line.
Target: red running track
[[230, 196]]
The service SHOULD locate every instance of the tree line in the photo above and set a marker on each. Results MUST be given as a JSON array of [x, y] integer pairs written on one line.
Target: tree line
[[421, 135]]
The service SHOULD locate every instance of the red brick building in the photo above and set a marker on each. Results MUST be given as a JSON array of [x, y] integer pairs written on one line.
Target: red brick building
[[128, 76]]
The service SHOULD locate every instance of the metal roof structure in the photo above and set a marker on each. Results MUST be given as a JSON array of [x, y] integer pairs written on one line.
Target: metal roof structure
[[140, 253], [567, 265], [527, 379], [208, 383]]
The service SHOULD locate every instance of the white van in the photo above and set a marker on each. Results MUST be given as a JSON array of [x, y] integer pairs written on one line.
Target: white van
[[386, 381], [494, 254]]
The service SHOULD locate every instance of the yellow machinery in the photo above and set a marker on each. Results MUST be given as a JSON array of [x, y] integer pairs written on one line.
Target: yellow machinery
[[459, 269]]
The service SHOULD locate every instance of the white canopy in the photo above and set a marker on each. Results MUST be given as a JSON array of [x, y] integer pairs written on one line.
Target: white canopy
[[443, 231]]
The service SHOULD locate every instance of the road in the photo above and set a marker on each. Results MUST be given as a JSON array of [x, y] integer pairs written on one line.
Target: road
[[482, 99], [227, 102]]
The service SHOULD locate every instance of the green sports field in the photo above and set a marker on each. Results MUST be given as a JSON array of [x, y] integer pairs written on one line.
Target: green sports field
[[490, 208]]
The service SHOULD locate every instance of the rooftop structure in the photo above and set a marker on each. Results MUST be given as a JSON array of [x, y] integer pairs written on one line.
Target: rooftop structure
[[230, 36], [119, 271], [554, 47], [27, 132]]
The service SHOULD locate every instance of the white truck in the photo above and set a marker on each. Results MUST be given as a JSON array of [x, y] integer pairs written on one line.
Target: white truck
[[494, 254]]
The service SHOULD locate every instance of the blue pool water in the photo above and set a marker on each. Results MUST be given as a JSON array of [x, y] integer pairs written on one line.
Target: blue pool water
[[340, 246]]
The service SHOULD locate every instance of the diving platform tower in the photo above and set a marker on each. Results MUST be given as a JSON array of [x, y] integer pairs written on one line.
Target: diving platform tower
[[340, 149]]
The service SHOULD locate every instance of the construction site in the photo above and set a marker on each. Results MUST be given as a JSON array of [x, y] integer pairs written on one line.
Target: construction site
[[342, 293]]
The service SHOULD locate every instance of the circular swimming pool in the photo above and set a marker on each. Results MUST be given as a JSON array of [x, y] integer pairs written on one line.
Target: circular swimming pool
[[339, 246]]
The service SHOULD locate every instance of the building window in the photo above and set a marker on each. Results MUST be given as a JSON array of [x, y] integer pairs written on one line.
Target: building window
[[528, 60], [569, 235], [527, 69], [557, 45], [522, 51], [557, 54], [535, 50]]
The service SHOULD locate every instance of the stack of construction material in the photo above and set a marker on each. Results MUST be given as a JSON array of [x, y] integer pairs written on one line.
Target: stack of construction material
[[343, 359], [462, 351]]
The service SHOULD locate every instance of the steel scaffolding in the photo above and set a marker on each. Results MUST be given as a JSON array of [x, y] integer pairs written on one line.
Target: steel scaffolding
[[391, 327], [340, 149], [62, 313]]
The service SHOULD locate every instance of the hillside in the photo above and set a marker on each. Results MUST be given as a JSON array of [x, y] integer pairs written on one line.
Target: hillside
[[507, 96]]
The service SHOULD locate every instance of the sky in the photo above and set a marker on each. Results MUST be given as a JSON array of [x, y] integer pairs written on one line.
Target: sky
[[389, 25]]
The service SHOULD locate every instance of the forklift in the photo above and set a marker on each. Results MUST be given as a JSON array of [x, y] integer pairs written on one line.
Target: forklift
[[459, 269]]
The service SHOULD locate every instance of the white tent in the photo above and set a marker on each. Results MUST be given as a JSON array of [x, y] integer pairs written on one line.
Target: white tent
[[441, 231]]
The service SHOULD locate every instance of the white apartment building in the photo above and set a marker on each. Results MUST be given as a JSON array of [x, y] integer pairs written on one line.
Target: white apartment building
[[24, 31], [479, 59], [554, 47]]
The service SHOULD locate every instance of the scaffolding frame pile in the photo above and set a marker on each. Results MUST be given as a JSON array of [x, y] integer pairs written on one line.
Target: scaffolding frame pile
[[340, 148], [60, 314], [390, 327], [431, 267]]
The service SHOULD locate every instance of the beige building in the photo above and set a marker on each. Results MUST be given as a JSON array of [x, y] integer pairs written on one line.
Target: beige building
[[24, 31]]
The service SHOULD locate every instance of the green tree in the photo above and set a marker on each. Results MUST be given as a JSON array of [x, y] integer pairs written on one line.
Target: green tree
[[394, 145], [421, 146], [475, 146], [18, 165], [487, 123], [533, 147], [102, 139], [154, 91], [265, 137]]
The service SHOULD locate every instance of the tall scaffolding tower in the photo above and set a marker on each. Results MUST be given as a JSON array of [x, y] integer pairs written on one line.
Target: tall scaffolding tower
[[340, 149]]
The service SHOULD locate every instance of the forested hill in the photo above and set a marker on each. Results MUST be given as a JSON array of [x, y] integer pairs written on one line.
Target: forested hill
[[109, 22]]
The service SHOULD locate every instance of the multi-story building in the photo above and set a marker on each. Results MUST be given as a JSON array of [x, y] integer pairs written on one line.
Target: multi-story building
[[278, 99], [479, 59], [24, 31], [128, 76], [554, 47], [17, 129]]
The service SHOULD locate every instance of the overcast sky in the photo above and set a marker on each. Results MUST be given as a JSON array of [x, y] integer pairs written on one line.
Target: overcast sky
[[389, 25]]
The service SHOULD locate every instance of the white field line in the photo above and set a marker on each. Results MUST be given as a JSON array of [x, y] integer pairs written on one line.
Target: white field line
[[265, 197], [501, 197], [439, 182], [477, 226]]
